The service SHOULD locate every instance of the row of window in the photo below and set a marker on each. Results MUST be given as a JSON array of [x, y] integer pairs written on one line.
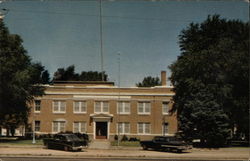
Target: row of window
[[123, 107], [122, 127]]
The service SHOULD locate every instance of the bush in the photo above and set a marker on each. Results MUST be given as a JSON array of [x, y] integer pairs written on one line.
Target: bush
[[124, 138], [116, 137], [133, 139]]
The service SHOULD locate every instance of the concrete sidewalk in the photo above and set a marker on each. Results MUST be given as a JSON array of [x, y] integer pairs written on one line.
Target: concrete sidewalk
[[214, 154]]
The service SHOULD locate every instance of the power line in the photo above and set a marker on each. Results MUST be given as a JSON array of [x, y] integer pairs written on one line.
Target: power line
[[127, 0], [103, 16]]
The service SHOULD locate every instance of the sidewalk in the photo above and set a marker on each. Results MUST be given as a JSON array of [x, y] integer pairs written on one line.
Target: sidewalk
[[219, 154]]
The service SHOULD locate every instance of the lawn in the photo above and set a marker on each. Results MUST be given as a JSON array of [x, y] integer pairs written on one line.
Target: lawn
[[126, 143], [20, 142]]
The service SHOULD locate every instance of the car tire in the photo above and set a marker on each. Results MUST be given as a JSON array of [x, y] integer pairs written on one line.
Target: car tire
[[47, 146], [66, 148], [179, 151], [144, 147]]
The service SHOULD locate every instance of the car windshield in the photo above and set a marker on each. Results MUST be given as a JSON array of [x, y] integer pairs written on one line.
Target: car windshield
[[72, 138]]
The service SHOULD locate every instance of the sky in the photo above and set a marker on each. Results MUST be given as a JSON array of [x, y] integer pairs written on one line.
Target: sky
[[60, 33]]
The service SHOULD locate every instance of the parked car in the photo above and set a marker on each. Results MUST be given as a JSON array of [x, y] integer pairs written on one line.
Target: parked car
[[166, 143], [66, 142]]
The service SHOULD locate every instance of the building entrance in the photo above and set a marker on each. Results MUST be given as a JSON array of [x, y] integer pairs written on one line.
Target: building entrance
[[101, 130]]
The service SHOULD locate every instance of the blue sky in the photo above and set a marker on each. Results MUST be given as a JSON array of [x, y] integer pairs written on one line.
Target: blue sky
[[61, 33]]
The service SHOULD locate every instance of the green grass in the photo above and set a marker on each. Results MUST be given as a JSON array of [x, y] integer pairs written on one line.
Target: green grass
[[20, 142], [126, 143]]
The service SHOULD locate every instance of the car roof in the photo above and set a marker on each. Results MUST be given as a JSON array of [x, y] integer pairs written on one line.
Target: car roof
[[65, 134]]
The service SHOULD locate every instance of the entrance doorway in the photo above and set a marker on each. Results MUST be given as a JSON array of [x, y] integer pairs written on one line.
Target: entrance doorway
[[101, 130]]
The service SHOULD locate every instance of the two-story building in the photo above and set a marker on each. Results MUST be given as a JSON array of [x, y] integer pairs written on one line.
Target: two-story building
[[103, 110]]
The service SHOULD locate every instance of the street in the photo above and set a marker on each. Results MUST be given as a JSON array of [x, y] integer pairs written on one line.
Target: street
[[38, 153], [92, 159]]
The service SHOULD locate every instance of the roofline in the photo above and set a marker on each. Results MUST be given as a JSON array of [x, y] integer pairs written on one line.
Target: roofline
[[82, 82]]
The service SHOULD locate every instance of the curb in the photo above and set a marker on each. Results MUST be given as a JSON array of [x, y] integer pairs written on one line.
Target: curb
[[117, 157], [21, 146]]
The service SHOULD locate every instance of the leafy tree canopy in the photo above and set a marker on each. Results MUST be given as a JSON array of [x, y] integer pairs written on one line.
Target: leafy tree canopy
[[69, 74], [149, 82], [211, 79], [19, 80]]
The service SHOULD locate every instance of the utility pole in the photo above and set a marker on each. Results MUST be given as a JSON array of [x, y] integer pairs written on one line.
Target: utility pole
[[101, 43], [33, 128], [119, 93]]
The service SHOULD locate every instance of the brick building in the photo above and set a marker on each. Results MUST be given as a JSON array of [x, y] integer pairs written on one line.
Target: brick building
[[103, 110]]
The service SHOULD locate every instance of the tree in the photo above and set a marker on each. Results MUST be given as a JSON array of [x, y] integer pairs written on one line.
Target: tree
[[149, 82], [69, 74], [19, 80], [45, 77], [211, 78]]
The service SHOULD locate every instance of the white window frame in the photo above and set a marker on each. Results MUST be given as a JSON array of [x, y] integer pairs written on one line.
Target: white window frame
[[102, 106], [123, 127], [79, 124], [144, 108], [163, 111], [59, 124], [80, 107], [37, 111], [144, 128], [59, 106], [123, 103], [37, 126], [164, 132]]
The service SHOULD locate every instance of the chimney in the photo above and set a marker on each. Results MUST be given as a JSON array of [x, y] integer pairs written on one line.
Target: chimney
[[163, 78]]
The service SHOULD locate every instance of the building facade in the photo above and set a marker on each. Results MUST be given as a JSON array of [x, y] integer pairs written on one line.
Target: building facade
[[103, 110]]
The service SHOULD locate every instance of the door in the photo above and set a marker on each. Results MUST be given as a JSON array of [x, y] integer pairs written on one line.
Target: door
[[101, 130]]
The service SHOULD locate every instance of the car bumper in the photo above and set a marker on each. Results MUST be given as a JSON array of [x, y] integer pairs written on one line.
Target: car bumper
[[79, 147], [185, 147]]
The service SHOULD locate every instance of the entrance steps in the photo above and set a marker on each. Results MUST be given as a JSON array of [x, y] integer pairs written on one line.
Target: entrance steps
[[99, 144]]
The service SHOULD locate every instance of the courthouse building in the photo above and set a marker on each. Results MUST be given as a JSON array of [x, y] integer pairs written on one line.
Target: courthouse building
[[103, 110]]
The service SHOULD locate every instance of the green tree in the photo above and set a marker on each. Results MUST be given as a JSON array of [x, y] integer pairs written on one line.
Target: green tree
[[19, 80], [149, 82], [211, 78], [69, 74], [45, 77]]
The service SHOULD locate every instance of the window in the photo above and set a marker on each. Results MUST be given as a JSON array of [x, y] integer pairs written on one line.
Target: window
[[80, 107], [37, 105], [165, 109], [123, 128], [79, 127], [165, 128], [144, 108], [59, 106], [143, 128], [37, 125], [123, 108], [58, 126], [101, 107]]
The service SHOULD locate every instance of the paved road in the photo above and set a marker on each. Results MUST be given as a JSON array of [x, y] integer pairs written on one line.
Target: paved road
[[36, 154], [92, 159]]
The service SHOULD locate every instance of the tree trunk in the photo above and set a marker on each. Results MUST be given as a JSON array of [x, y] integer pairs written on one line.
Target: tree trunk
[[12, 131], [7, 132]]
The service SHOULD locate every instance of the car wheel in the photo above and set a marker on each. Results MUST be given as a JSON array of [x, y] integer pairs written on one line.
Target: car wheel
[[179, 150], [47, 146], [144, 147], [66, 148]]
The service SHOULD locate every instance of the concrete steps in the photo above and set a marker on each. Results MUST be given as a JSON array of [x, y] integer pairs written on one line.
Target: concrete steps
[[99, 144]]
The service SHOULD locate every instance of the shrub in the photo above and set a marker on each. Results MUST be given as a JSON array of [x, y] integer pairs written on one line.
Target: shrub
[[134, 139], [116, 137], [124, 138]]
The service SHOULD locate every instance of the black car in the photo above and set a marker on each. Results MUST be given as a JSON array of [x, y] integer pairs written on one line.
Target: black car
[[166, 143], [66, 142]]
